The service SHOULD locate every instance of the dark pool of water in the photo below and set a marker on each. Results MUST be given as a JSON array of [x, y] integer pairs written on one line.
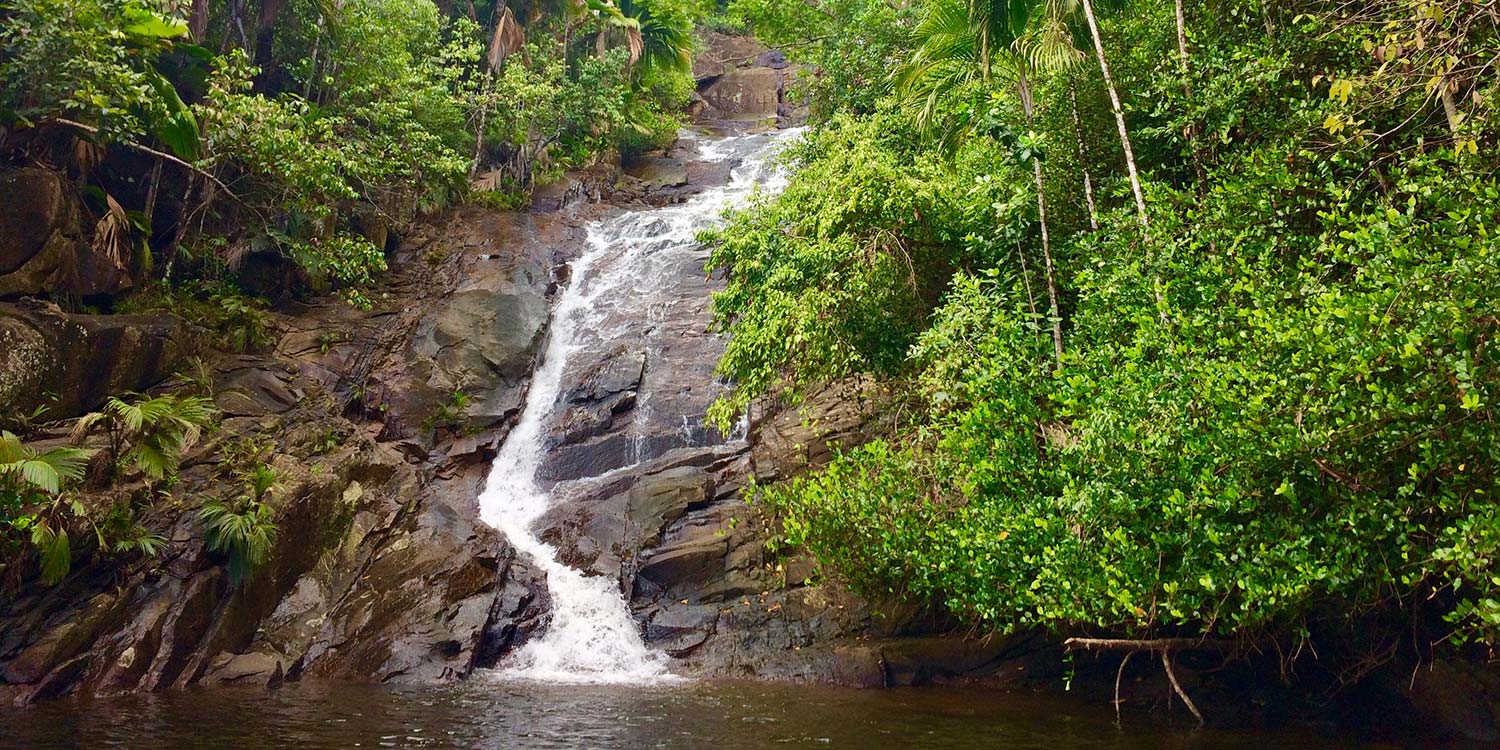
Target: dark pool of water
[[488, 715]]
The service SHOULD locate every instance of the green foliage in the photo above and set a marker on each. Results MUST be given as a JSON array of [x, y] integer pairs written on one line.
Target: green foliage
[[449, 414], [239, 322], [243, 531], [41, 516], [242, 527], [837, 274], [93, 61], [851, 44], [1274, 412], [25, 470]]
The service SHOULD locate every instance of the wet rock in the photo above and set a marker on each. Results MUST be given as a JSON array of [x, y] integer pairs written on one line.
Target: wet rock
[[254, 391], [679, 630], [42, 245], [659, 172], [251, 667], [747, 91], [693, 561], [81, 359], [481, 341]]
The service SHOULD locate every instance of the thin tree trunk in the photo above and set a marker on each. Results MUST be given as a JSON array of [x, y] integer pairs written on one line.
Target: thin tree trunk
[[198, 21], [1026, 277], [1190, 130], [1114, 100], [1041, 211], [1088, 183], [484, 112], [149, 212], [312, 69]]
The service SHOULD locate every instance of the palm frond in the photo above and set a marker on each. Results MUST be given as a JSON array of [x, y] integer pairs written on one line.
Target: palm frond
[[508, 38], [54, 550]]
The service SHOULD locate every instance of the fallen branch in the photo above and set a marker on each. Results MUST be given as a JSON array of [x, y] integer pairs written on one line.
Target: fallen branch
[[1152, 644], [90, 129], [1166, 662]]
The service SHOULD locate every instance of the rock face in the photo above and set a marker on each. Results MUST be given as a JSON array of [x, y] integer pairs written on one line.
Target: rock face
[[42, 244], [747, 91], [739, 79], [72, 362], [380, 569], [482, 339]]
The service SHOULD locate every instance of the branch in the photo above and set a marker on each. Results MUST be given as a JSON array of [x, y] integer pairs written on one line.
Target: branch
[[90, 129], [1166, 662], [1155, 644]]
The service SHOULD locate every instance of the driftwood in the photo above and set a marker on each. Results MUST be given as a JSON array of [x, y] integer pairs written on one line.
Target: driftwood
[[1163, 646]]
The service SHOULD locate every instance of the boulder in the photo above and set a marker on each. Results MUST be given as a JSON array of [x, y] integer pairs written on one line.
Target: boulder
[[746, 91], [725, 52], [42, 247], [74, 361]]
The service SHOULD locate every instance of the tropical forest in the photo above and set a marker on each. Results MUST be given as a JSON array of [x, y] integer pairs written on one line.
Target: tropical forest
[[750, 373]]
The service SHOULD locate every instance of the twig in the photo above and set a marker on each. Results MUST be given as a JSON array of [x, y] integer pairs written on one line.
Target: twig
[[1119, 675]]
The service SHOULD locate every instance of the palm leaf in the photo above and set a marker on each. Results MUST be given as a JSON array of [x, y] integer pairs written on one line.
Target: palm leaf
[[10, 448], [55, 552], [508, 38]]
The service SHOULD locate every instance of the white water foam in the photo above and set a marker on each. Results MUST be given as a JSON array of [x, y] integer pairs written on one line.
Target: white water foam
[[591, 637]]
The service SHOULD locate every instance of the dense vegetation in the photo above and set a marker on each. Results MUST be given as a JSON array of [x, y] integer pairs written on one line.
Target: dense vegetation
[[301, 133], [1187, 312], [293, 126]]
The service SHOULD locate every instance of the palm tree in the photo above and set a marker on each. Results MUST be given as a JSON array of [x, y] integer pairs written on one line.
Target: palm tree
[[149, 433], [664, 38], [955, 59], [25, 469]]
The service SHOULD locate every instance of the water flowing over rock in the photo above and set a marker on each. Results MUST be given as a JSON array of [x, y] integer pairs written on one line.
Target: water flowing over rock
[[577, 336], [626, 376]]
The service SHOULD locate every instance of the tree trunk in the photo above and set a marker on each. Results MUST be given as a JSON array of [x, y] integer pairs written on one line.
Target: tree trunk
[[148, 213], [1041, 211], [484, 112], [198, 21], [1189, 131], [1114, 101], [1088, 183]]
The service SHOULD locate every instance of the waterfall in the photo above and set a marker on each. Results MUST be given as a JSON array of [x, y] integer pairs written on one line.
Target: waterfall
[[592, 637]]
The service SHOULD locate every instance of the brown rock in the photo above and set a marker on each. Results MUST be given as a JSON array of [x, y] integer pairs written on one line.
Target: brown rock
[[81, 359], [749, 91]]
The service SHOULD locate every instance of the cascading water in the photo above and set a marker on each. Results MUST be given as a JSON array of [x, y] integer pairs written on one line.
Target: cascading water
[[592, 637]]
